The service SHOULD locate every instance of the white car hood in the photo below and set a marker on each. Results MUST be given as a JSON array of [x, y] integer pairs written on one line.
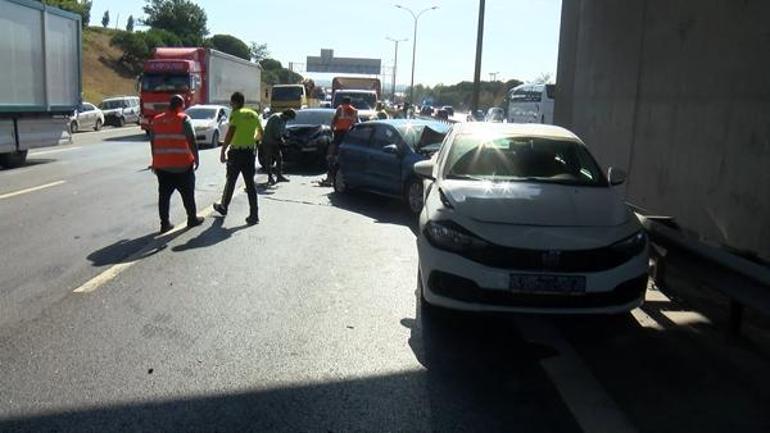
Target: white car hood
[[536, 204]]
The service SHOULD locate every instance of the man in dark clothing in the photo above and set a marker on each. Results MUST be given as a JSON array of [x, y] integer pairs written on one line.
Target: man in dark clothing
[[272, 143], [245, 125], [174, 161]]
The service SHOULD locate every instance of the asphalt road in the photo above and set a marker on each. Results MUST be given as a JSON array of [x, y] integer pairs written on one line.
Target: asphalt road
[[307, 322]]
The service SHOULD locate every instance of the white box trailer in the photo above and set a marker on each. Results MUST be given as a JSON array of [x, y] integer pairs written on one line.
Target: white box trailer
[[40, 76], [228, 74]]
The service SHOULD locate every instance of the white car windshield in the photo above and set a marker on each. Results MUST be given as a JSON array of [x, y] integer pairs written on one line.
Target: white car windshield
[[531, 159], [201, 113]]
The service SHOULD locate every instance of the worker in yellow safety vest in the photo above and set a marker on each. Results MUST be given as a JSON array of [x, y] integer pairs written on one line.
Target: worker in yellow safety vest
[[174, 161]]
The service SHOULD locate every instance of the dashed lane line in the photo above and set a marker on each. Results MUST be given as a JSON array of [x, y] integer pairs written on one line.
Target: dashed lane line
[[46, 152], [32, 189], [115, 270], [593, 409]]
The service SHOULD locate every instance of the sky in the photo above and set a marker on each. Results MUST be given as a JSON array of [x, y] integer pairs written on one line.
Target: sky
[[520, 39]]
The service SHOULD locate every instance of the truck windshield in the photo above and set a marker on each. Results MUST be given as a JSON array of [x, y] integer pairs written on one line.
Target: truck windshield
[[362, 101], [165, 83], [293, 93]]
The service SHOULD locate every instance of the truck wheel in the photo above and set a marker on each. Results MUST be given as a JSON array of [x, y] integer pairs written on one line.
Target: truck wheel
[[98, 125], [14, 159], [73, 127]]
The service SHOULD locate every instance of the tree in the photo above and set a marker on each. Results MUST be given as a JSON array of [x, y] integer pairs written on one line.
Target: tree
[[259, 52], [80, 7], [181, 17], [138, 46], [543, 78], [106, 19], [230, 45], [130, 24]]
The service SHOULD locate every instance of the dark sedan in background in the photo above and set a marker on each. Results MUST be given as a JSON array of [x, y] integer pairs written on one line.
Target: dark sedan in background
[[308, 136]]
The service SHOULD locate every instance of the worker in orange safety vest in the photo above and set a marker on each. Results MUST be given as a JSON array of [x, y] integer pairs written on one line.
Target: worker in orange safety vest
[[174, 160], [344, 118]]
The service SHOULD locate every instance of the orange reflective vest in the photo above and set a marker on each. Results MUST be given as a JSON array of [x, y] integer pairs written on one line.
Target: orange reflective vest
[[170, 148], [346, 117]]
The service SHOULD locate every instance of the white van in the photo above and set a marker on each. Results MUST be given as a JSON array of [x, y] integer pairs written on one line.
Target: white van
[[531, 103]]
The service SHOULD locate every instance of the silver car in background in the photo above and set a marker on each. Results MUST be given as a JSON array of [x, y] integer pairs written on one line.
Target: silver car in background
[[210, 122], [86, 116]]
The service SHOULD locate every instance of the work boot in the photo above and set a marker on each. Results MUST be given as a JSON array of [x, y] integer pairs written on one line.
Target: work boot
[[270, 180], [220, 209], [281, 178], [194, 222], [252, 219], [165, 227]]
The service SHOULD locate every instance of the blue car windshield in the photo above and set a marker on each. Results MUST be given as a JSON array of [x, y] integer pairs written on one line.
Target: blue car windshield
[[418, 135]]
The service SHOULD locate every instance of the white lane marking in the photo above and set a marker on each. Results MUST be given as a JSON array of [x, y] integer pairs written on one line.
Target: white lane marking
[[46, 152], [33, 189], [115, 270], [592, 407]]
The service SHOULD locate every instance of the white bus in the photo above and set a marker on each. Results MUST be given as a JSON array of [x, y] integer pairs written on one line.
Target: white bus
[[531, 103]]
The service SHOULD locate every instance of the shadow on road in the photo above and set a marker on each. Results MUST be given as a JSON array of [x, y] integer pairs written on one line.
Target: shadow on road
[[214, 234], [132, 138], [31, 161], [121, 250], [383, 210]]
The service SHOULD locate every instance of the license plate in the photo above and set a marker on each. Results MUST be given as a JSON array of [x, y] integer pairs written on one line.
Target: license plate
[[556, 284]]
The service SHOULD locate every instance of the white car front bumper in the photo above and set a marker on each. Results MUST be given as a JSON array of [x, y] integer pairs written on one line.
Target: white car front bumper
[[452, 281]]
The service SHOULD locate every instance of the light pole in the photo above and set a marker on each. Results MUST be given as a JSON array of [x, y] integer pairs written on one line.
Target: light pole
[[414, 43], [395, 65], [477, 73]]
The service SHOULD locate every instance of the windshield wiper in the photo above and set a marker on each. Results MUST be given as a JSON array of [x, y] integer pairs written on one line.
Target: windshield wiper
[[464, 177]]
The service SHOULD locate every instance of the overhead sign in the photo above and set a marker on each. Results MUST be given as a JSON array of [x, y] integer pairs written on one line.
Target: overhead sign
[[326, 62]]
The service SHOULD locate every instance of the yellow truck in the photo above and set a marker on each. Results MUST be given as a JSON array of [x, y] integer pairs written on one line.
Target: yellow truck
[[296, 96]]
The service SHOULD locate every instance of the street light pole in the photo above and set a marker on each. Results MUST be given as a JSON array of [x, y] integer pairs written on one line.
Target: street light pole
[[414, 44], [395, 65], [477, 73]]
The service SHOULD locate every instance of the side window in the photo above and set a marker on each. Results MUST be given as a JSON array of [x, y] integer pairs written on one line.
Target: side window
[[550, 89], [90, 107], [358, 136], [383, 136], [82, 108], [537, 93]]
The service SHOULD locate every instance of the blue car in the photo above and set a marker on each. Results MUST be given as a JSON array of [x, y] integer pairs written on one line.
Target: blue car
[[379, 156]]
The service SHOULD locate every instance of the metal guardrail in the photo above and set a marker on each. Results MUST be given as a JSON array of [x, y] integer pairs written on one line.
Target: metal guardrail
[[745, 283]]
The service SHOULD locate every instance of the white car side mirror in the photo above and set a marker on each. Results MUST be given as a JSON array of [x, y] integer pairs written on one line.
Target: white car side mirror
[[616, 176], [424, 169]]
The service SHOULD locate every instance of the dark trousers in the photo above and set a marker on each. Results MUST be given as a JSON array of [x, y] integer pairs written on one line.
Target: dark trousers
[[273, 156], [241, 162], [169, 182]]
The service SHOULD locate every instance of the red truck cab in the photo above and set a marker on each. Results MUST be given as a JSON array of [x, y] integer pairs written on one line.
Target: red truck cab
[[172, 71]]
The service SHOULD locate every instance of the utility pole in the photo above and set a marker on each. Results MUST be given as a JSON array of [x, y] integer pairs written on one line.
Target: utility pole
[[414, 44], [477, 73], [395, 65]]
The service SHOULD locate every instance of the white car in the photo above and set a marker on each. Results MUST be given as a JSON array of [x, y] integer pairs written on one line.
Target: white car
[[86, 116], [210, 123], [520, 218]]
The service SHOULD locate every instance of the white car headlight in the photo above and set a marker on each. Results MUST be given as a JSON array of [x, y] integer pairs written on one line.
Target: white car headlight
[[447, 235]]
